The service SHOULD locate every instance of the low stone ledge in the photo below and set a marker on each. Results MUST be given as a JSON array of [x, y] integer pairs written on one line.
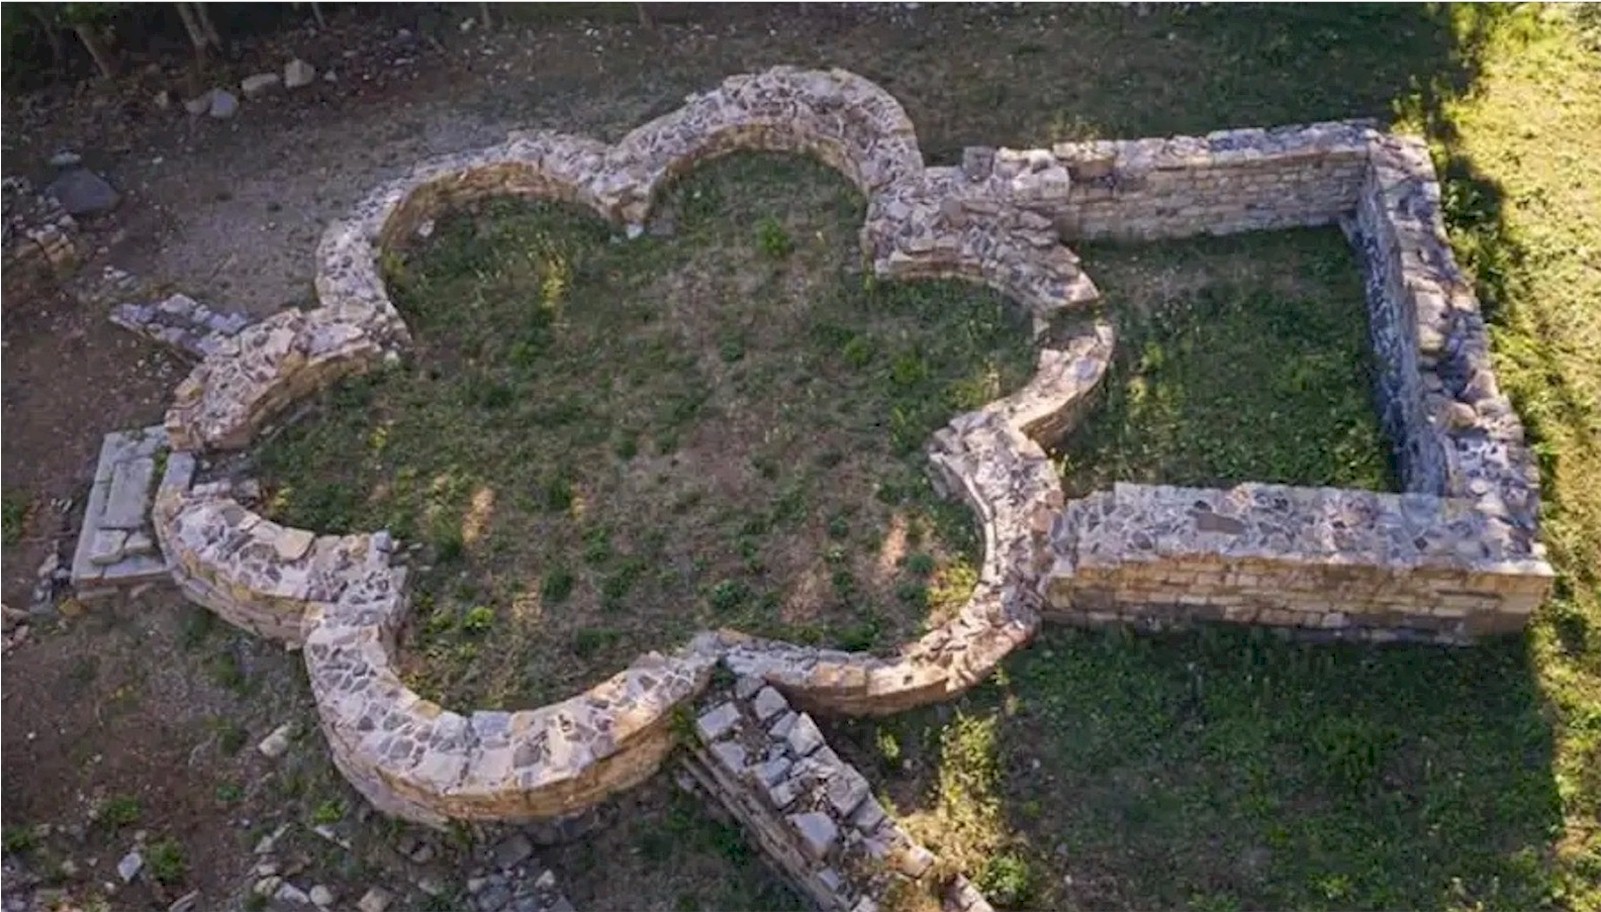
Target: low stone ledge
[[848, 122], [1345, 563], [417, 760], [1457, 434], [180, 322], [250, 377], [1225, 182], [811, 813], [252, 572]]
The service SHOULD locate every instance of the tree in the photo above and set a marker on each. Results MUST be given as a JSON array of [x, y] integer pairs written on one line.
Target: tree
[[87, 21]]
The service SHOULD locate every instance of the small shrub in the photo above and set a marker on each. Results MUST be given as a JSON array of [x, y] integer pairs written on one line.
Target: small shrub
[[13, 517], [229, 792], [589, 641], [838, 527], [16, 840], [478, 619], [1006, 880], [920, 565], [120, 811], [858, 352], [165, 862], [908, 369], [859, 637], [728, 595], [557, 585], [197, 625], [626, 446], [597, 545], [328, 812], [772, 239], [449, 547], [558, 494], [912, 594]]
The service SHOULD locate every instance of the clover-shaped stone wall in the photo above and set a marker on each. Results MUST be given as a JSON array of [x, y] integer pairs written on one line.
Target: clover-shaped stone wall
[[1152, 555], [341, 599]]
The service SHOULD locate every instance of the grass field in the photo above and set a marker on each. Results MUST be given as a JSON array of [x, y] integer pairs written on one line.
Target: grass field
[[1217, 770], [605, 447]]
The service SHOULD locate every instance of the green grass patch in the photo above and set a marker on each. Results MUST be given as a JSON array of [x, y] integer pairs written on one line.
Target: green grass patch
[[14, 508], [1232, 766], [587, 424], [1229, 371]]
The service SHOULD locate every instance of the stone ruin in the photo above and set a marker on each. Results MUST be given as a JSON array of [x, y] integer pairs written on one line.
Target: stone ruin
[[1451, 558]]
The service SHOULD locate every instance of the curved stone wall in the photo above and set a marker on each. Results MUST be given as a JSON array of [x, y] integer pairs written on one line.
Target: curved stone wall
[[993, 220], [340, 598]]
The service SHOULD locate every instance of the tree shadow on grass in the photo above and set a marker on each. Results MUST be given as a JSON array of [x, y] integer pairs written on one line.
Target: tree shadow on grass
[[1228, 768]]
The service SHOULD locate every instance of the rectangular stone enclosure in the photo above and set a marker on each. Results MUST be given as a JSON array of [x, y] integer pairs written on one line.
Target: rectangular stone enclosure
[[1452, 557]]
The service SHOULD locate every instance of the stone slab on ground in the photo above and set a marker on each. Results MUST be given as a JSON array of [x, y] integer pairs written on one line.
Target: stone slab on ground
[[117, 548], [181, 322]]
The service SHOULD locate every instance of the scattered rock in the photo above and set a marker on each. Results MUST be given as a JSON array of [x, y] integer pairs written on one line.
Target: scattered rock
[[128, 867], [431, 886], [321, 896], [163, 100], [198, 105], [223, 104], [66, 158], [186, 903], [267, 886], [83, 192], [267, 843], [330, 76], [259, 84], [275, 744], [376, 899], [298, 73], [423, 853], [289, 893], [513, 851]]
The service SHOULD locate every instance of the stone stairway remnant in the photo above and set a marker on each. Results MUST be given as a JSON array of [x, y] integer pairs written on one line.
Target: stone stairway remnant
[[180, 322], [117, 551], [809, 811]]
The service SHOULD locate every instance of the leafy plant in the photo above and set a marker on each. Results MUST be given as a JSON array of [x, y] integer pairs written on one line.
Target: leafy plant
[[165, 861], [772, 239]]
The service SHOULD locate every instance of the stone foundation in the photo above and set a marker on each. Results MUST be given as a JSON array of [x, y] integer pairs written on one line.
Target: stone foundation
[[1337, 562], [1454, 558], [811, 813], [117, 551], [1222, 183]]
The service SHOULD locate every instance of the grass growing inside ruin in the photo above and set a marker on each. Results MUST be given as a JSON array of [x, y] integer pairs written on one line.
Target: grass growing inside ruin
[[603, 446], [1238, 359], [1223, 769]]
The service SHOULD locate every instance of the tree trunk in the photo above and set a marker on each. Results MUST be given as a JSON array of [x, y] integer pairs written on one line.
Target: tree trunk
[[205, 23], [483, 13], [52, 34], [644, 16], [97, 49], [191, 24], [316, 13]]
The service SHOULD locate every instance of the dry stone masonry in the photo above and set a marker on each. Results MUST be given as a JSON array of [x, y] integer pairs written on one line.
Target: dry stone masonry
[[1454, 557], [117, 552], [180, 322], [813, 815]]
